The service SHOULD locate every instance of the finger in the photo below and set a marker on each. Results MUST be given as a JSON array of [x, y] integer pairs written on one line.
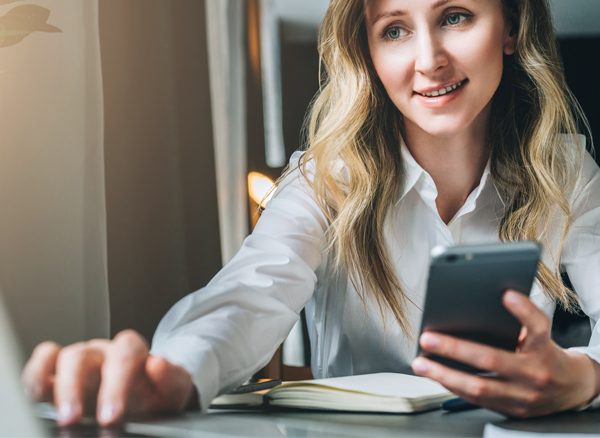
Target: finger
[[38, 373], [173, 384], [480, 390], [75, 366], [123, 365], [481, 356], [531, 317]]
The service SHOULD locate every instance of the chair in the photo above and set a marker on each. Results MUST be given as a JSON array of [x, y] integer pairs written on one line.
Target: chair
[[276, 369]]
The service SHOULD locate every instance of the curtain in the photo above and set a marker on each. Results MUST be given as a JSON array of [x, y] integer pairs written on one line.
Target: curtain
[[226, 53], [270, 42], [52, 220]]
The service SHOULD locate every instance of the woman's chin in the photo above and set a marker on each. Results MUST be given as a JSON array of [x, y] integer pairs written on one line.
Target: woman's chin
[[443, 131], [439, 126]]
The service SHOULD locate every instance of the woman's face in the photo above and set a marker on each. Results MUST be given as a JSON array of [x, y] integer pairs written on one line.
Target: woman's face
[[440, 61]]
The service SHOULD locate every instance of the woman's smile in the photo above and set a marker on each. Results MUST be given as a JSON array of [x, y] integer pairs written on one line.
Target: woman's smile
[[435, 97]]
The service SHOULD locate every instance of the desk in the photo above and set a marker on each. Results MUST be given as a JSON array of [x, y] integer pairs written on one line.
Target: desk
[[317, 424]]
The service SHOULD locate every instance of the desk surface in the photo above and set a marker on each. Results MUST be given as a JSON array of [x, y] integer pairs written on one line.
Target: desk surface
[[316, 424]]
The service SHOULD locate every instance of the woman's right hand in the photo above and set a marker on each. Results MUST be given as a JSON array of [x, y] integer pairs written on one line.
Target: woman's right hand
[[110, 378]]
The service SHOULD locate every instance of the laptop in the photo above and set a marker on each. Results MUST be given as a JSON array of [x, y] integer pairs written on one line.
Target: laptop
[[19, 417], [16, 413]]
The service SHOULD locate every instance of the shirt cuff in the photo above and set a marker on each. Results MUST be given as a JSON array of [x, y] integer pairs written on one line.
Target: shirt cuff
[[198, 359], [592, 353], [594, 404]]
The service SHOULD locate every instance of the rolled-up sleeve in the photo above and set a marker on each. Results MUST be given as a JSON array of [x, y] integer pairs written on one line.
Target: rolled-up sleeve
[[226, 331], [581, 255]]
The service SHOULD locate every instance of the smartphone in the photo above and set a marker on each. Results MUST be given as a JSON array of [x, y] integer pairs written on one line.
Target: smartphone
[[464, 293]]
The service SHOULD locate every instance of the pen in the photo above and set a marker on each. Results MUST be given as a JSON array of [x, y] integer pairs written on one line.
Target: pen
[[458, 404], [256, 386]]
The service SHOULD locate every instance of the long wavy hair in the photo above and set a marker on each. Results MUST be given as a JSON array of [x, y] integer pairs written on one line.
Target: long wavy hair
[[352, 119]]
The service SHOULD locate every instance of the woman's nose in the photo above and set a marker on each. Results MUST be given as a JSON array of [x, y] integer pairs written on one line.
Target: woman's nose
[[430, 55]]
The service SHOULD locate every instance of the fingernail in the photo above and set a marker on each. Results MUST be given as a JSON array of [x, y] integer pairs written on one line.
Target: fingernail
[[429, 340], [419, 365], [67, 412], [513, 297], [109, 412]]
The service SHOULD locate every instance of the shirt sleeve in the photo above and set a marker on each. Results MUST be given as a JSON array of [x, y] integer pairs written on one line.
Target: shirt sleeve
[[226, 331], [581, 254]]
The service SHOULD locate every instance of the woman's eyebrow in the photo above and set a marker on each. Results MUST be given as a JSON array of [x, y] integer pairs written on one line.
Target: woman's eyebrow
[[399, 13], [394, 13]]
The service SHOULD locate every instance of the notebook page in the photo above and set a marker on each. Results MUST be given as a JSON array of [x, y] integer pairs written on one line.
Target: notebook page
[[383, 384]]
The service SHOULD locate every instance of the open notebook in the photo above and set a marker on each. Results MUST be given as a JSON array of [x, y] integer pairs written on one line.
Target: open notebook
[[381, 392]]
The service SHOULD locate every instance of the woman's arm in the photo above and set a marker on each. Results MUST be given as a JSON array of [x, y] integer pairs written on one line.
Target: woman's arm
[[228, 330]]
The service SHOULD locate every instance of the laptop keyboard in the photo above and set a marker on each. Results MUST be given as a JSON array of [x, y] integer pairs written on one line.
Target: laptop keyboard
[[85, 430]]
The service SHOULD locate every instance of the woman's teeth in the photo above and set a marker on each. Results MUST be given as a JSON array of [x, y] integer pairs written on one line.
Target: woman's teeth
[[443, 91]]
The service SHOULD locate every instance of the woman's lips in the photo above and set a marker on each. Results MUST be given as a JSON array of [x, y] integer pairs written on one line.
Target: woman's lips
[[442, 89], [442, 99]]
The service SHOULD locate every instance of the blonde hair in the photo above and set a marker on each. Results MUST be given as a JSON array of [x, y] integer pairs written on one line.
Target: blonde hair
[[352, 119]]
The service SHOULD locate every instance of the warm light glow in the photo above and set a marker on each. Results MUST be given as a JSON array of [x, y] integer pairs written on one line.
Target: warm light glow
[[253, 32], [259, 186]]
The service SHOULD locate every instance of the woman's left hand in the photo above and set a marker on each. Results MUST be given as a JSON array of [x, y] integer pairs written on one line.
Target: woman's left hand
[[539, 378]]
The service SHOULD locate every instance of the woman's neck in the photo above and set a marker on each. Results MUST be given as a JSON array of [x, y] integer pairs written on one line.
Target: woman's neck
[[456, 164]]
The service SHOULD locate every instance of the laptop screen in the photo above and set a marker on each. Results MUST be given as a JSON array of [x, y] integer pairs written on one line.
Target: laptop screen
[[16, 413]]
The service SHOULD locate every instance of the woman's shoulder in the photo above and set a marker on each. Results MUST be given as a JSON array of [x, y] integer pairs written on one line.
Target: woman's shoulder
[[293, 212], [302, 169], [587, 184], [299, 171], [296, 182], [589, 167]]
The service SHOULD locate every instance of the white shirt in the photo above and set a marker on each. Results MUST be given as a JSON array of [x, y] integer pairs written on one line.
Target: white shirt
[[226, 331]]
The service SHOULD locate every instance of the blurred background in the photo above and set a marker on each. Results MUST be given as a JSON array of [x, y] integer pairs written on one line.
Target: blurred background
[[133, 132]]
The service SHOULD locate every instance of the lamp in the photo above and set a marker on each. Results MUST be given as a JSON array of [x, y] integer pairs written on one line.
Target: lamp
[[260, 191]]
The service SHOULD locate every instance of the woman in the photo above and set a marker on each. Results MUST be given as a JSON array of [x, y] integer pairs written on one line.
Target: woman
[[438, 122]]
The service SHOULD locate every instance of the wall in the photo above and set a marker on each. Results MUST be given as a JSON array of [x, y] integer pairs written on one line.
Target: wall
[[300, 82], [163, 238], [52, 230], [582, 77]]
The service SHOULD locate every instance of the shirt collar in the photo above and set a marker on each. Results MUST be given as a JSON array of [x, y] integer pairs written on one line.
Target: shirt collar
[[413, 172]]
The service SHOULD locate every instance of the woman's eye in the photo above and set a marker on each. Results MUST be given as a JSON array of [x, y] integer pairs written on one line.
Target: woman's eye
[[394, 33], [456, 18]]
